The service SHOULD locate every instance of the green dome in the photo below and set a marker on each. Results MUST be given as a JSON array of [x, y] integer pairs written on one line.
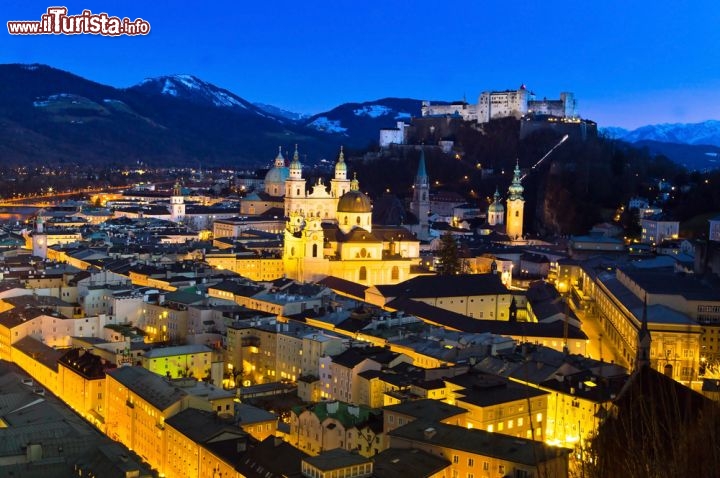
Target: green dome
[[496, 207], [277, 175]]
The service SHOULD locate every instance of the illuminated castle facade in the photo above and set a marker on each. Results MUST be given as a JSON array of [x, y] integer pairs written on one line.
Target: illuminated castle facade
[[502, 104]]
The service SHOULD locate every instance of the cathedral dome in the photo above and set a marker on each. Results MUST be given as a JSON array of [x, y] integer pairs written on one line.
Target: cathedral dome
[[354, 201], [277, 175]]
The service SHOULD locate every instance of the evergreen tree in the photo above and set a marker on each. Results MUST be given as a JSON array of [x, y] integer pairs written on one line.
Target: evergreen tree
[[448, 255]]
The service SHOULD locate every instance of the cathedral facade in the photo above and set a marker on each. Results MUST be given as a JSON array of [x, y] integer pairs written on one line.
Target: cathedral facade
[[329, 232]]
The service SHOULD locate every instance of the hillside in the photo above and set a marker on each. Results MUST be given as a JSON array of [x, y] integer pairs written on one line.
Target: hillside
[[51, 116], [358, 124]]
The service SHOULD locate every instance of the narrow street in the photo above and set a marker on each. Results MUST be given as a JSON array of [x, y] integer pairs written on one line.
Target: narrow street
[[598, 347]]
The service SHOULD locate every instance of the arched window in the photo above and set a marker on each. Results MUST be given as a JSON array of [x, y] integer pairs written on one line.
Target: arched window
[[363, 274], [314, 250], [517, 213], [292, 252], [357, 220], [298, 192], [345, 220], [363, 252], [395, 273]]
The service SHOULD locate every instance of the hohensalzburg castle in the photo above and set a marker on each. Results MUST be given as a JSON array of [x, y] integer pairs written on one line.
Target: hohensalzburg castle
[[502, 104]]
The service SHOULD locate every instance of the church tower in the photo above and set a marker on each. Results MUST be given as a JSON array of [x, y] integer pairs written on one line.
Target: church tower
[[421, 198], [295, 185], [515, 206], [39, 238], [496, 211], [177, 203], [644, 341], [340, 184]]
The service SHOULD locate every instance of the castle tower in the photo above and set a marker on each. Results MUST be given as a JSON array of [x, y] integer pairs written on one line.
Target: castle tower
[[177, 203], [340, 184], [420, 205], [644, 341], [515, 206], [295, 185], [496, 211]]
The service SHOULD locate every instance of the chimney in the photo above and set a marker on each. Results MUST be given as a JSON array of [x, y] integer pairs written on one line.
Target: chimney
[[429, 433]]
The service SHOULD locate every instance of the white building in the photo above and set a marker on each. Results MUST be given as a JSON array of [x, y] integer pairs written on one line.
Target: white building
[[657, 228], [397, 135], [502, 104], [467, 111], [714, 234]]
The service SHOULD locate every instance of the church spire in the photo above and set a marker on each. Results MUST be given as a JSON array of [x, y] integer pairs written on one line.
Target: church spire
[[341, 166], [516, 189], [644, 340], [295, 165], [279, 159], [421, 177]]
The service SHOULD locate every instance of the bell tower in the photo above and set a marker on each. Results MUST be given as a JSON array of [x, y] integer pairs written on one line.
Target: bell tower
[[515, 206], [295, 185], [177, 203], [421, 198], [340, 184]]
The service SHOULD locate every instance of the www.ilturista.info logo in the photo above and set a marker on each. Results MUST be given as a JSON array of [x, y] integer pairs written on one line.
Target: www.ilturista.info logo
[[57, 22]]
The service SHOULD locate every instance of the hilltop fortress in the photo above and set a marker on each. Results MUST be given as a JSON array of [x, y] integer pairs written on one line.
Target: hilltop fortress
[[502, 104]]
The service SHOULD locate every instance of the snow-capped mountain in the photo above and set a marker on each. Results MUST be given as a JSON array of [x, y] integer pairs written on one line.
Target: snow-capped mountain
[[361, 122], [53, 116], [614, 132], [279, 112], [704, 133], [192, 88]]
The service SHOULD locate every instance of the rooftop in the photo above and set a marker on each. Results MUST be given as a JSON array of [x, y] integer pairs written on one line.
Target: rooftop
[[479, 442], [152, 388]]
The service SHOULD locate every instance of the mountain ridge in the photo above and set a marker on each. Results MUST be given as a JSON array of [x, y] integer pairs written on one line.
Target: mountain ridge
[[702, 133], [51, 115]]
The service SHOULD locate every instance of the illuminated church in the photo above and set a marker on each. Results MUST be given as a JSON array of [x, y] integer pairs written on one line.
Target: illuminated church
[[508, 219], [329, 232]]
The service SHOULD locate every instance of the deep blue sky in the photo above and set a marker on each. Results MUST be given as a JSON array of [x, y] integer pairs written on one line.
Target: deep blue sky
[[630, 63]]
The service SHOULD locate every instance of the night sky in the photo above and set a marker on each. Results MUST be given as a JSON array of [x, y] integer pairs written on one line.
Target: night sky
[[630, 63]]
